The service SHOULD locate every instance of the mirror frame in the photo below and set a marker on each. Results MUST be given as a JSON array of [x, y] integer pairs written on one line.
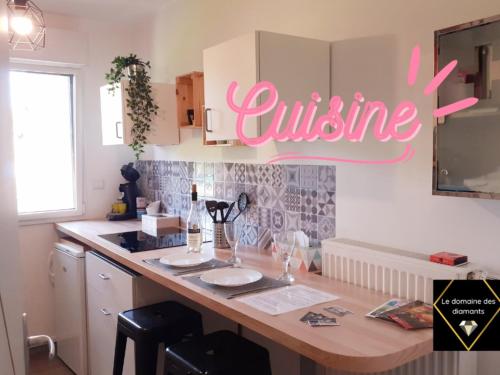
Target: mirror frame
[[435, 190]]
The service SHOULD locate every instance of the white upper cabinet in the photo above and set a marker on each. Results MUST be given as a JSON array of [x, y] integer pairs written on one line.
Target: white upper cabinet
[[116, 124], [296, 66]]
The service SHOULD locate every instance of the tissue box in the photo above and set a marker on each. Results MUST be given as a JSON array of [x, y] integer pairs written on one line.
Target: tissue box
[[307, 259], [152, 223]]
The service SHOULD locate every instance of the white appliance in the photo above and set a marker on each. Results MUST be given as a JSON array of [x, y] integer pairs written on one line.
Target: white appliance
[[70, 304]]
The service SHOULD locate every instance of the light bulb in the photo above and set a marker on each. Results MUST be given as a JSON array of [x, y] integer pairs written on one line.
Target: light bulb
[[21, 25]]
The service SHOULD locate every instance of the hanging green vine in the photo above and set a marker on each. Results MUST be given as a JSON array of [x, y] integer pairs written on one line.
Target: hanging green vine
[[140, 102]]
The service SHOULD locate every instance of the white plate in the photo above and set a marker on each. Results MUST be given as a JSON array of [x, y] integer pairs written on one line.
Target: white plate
[[231, 276], [185, 259]]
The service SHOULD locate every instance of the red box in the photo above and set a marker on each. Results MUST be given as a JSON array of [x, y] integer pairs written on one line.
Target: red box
[[450, 259]]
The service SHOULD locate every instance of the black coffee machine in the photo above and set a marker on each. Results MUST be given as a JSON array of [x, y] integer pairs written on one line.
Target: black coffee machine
[[130, 193]]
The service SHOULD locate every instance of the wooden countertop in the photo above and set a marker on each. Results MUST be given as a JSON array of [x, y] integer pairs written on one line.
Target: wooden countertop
[[358, 344]]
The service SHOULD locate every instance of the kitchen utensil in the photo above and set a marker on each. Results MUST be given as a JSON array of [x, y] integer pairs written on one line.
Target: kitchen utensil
[[185, 259], [221, 206], [231, 206], [243, 202], [231, 277], [220, 241], [232, 232], [212, 209]]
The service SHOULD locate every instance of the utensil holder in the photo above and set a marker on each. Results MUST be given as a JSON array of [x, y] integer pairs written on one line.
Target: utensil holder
[[220, 241]]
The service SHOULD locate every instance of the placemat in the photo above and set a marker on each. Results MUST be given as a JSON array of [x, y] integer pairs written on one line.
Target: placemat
[[176, 271], [265, 283]]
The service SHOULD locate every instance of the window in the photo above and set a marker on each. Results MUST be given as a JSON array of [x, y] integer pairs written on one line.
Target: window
[[45, 134]]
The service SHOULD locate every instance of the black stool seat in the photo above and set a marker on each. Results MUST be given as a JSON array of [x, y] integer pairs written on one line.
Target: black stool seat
[[167, 322], [218, 353]]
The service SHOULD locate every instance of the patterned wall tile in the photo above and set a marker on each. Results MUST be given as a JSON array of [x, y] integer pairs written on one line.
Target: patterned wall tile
[[252, 216], [175, 169], [308, 201], [283, 197], [309, 176], [209, 188], [251, 176], [183, 169], [229, 191], [309, 224], [218, 171], [264, 217], [249, 235], [265, 174], [239, 173], [292, 199], [292, 175], [326, 202], [228, 172], [219, 190], [190, 169], [209, 170], [278, 220], [278, 176], [185, 186], [292, 221], [326, 177], [251, 191], [326, 227], [265, 196]]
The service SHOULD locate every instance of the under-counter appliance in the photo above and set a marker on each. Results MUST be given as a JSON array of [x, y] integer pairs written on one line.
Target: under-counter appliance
[[137, 241], [68, 271]]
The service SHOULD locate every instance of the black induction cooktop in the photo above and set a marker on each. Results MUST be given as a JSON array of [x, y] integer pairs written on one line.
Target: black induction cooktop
[[138, 241]]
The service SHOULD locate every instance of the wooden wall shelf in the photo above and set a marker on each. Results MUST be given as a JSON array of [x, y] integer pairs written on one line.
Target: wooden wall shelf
[[190, 96]]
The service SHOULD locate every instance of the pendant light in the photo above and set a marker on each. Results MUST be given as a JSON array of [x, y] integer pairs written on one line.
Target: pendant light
[[26, 25]]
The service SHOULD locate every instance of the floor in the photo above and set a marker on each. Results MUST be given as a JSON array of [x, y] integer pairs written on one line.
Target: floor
[[41, 365]]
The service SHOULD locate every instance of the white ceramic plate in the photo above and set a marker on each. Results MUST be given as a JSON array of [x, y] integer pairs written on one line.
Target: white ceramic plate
[[231, 276], [185, 259]]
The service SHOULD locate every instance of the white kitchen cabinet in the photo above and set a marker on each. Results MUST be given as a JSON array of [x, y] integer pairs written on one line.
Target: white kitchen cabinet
[[111, 289], [296, 66], [116, 124]]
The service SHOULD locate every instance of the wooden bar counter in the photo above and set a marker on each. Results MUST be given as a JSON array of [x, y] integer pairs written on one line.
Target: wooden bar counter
[[359, 344]]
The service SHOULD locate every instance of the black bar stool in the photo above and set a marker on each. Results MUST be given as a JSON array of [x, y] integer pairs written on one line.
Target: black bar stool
[[218, 353], [166, 322]]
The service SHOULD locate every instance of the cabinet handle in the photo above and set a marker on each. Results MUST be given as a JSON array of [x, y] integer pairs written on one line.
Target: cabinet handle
[[206, 120], [103, 276], [105, 312], [116, 130]]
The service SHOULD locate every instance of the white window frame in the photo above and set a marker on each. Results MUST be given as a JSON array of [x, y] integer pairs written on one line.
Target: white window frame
[[79, 210]]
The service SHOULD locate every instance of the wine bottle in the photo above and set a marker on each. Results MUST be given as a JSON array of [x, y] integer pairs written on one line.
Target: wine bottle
[[194, 237]]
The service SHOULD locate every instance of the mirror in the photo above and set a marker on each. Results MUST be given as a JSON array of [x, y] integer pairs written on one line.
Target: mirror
[[467, 143]]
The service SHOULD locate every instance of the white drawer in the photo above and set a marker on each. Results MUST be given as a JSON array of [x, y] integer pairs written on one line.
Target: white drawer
[[102, 321], [114, 284]]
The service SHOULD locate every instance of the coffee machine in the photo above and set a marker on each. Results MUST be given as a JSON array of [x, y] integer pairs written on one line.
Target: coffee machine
[[130, 193]]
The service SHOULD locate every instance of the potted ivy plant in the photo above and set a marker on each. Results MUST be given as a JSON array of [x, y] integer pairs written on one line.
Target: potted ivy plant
[[140, 103]]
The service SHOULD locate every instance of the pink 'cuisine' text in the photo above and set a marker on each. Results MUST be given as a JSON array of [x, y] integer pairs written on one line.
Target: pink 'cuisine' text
[[305, 124]]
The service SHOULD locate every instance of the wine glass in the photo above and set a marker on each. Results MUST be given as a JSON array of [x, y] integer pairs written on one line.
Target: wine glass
[[232, 232], [285, 246]]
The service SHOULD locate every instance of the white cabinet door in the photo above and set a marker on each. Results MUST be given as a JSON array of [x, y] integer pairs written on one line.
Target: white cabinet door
[[296, 66], [112, 116], [117, 125], [109, 291], [235, 59]]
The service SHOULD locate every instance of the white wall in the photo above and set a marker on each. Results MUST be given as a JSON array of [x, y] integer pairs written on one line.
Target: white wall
[[92, 45], [11, 307]]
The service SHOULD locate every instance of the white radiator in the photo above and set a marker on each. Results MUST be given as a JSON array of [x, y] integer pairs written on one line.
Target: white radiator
[[402, 274]]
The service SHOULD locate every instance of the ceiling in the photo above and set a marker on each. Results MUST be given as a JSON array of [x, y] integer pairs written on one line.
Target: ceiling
[[113, 10]]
